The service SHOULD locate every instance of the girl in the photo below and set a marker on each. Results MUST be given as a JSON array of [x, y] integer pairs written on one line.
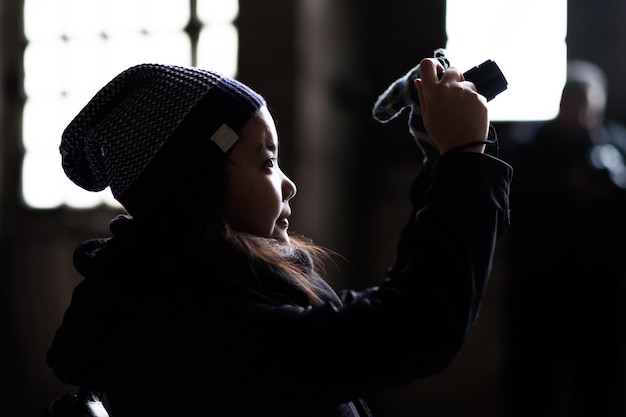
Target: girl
[[203, 304]]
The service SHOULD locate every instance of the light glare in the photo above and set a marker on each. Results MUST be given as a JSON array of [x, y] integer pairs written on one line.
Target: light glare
[[528, 42], [75, 47]]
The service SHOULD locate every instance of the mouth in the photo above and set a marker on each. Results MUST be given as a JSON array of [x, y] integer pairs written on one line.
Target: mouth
[[283, 223]]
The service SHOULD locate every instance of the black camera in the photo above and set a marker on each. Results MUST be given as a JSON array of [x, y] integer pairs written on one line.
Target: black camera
[[487, 78]]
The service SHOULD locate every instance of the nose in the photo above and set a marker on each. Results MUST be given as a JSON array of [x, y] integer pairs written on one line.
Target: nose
[[289, 188]]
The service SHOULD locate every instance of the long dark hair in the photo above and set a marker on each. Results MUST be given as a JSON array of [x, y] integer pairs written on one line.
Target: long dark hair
[[201, 239]]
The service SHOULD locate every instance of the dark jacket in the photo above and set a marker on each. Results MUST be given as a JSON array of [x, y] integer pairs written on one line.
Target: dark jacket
[[216, 352]]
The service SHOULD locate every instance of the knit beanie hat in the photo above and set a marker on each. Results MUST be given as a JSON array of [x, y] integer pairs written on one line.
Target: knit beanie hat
[[145, 130]]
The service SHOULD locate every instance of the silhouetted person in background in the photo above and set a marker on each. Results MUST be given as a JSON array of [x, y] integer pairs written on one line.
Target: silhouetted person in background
[[564, 304]]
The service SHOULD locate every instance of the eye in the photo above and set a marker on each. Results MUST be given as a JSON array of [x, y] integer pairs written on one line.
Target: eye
[[270, 163]]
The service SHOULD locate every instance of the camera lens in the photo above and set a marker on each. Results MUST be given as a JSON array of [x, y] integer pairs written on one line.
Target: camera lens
[[487, 78]]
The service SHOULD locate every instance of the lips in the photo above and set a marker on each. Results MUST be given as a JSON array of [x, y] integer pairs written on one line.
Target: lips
[[283, 222]]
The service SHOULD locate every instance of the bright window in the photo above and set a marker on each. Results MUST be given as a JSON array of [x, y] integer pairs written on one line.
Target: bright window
[[76, 46], [528, 42]]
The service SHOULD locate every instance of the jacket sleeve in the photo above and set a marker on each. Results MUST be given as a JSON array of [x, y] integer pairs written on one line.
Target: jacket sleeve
[[418, 319], [410, 326]]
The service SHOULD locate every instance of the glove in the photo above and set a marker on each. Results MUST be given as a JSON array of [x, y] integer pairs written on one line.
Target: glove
[[402, 94]]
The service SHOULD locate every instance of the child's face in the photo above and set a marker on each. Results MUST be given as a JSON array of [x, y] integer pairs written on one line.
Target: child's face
[[257, 191]]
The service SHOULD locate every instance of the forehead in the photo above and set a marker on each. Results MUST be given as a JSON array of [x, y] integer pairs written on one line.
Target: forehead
[[259, 133]]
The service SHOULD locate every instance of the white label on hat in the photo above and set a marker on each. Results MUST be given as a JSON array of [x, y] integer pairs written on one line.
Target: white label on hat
[[224, 137]]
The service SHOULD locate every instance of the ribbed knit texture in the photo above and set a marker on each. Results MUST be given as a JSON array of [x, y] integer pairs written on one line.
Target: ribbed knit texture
[[121, 129]]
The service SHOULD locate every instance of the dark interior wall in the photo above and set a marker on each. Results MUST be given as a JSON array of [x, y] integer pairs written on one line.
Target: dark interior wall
[[321, 65]]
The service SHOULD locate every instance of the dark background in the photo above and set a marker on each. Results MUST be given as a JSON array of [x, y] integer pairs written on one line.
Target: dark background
[[321, 65]]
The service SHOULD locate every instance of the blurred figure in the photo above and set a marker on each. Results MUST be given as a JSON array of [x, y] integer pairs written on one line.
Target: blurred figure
[[564, 301]]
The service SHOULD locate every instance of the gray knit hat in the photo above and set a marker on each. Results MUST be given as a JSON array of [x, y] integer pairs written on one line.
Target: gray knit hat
[[147, 128]]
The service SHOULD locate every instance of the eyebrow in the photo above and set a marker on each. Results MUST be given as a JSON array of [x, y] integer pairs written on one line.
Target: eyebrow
[[268, 145]]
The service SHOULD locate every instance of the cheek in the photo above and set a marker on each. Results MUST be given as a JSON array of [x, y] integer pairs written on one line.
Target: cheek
[[237, 199], [252, 207]]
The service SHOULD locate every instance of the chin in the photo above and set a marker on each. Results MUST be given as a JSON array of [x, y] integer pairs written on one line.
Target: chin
[[283, 239]]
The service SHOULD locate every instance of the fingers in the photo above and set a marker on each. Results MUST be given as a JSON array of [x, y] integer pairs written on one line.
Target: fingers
[[433, 73], [429, 68], [452, 111]]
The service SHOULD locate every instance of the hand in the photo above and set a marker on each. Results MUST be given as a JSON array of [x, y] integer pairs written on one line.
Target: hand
[[454, 113]]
